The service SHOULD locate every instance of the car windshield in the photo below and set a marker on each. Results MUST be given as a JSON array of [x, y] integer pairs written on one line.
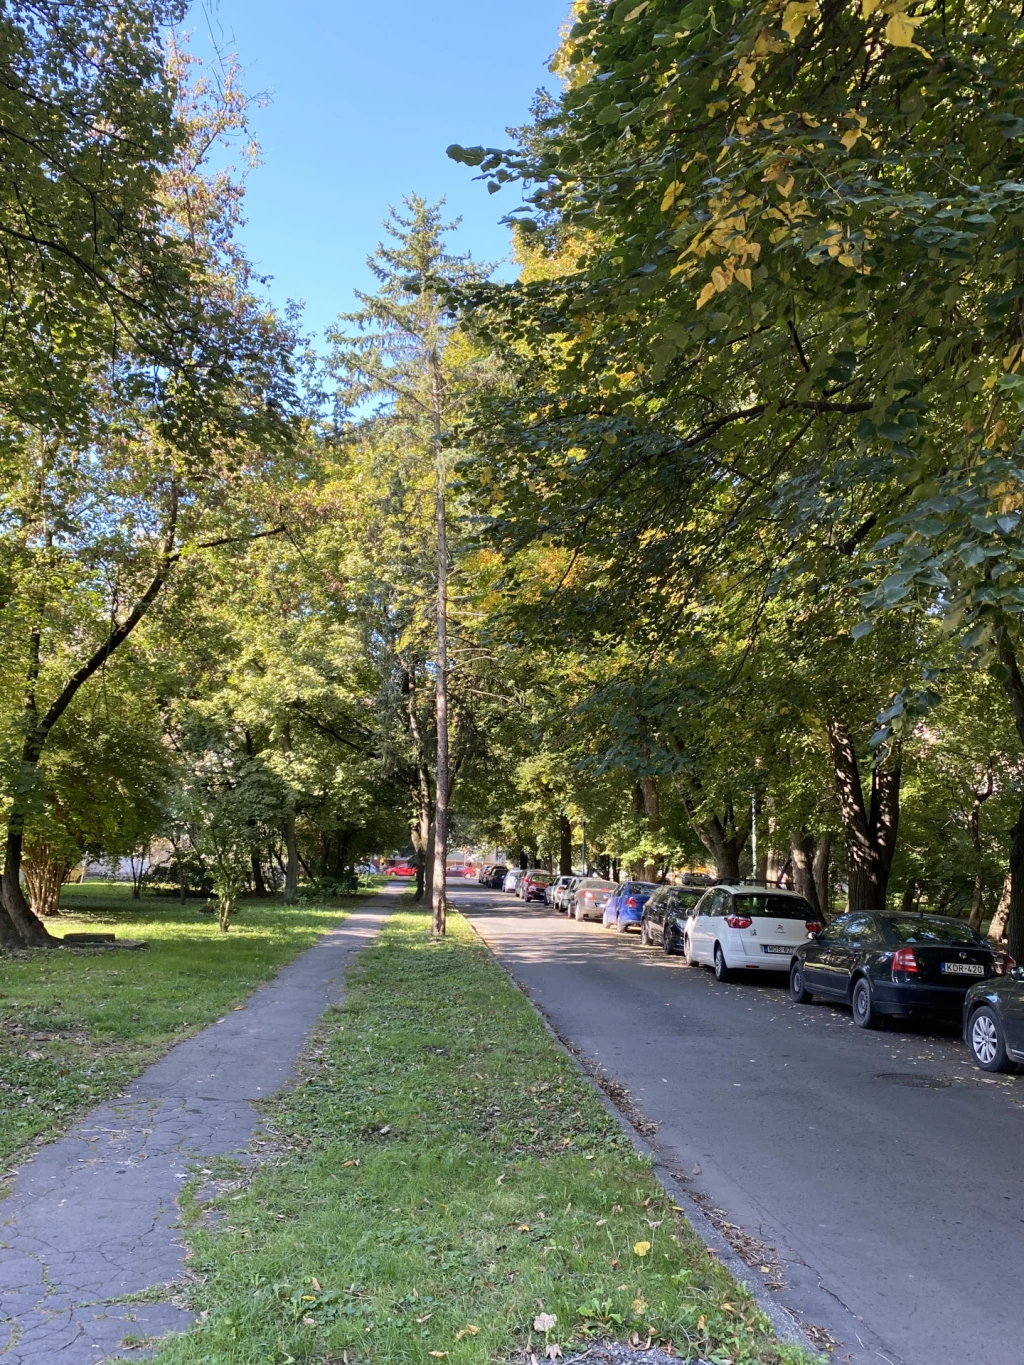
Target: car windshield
[[760, 906], [921, 929]]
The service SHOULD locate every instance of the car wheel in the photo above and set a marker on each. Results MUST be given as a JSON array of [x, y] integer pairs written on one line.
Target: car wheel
[[988, 1044], [579, 914], [645, 938], [668, 940], [620, 925], [722, 972], [864, 1013], [798, 992], [688, 956]]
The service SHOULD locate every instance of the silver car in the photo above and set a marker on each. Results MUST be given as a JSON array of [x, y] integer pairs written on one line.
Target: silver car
[[588, 899], [512, 878], [557, 889]]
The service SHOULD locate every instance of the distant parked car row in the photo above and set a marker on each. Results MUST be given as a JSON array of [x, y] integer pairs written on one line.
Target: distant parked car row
[[880, 964]]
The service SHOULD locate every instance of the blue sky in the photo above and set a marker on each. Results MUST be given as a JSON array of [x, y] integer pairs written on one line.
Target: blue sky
[[365, 99]]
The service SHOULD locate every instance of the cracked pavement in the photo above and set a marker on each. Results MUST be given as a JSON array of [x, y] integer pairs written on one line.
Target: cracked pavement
[[879, 1169], [93, 1217]]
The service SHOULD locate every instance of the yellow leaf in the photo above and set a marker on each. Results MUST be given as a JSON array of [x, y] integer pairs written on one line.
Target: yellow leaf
[[635, 13], [868, 7], [721, 278], [785, 187], [900, 32], [796, 14], [670, 196], [847, 259], [708, 292], [439, 1355], [641, 1248], [744, 276], [850, 138], [468, 1331]]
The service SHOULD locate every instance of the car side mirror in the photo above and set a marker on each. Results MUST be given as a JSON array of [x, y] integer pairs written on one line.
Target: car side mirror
[[1017, 973]]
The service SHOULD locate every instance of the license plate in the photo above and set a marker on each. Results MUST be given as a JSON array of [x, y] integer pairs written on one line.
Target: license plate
[[961, 969], [776, 948]]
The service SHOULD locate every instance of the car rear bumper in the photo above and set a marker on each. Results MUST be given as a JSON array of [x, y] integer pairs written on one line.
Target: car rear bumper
[[891, 997]]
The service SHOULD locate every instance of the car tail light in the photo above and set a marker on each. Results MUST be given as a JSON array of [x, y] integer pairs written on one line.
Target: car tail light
[[631, 902], [588, 895], [813, 927], [1002, 963], [904, 960], [738, 921]]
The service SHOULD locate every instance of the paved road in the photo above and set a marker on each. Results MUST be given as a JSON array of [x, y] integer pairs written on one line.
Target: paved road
[[882, 1167], [93, 1217]]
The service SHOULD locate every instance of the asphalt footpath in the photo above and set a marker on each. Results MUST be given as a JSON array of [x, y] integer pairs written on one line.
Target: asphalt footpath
[[873, 1181], [91, 1223]]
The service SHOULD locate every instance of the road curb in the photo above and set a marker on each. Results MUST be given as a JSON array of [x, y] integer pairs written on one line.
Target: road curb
[[784, 1324]]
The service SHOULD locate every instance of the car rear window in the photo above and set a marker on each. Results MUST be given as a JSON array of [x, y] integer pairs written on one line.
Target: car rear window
[[540, 879], [772, 907], [639, 888], [921, 929]]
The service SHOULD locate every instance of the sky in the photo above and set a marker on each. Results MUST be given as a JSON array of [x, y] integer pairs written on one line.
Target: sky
[[365, 95]]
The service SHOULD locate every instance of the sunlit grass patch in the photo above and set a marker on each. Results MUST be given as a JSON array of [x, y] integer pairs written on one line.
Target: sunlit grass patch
[[76, 1026], [452, 1189]]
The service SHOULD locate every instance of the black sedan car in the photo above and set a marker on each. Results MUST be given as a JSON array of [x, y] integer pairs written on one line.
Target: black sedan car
[[496, 876], [994, 1021], [665, 916], [886, 963]]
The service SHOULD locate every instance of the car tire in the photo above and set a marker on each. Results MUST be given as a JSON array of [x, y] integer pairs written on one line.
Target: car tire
[[722, 972], [688, 956], [864, 1013], [579, 914], [798, 992], [987, 1041], [620, 927], [645, 938], [668, 940]]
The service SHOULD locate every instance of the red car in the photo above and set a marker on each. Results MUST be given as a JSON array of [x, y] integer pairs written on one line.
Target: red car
[[400, 870]]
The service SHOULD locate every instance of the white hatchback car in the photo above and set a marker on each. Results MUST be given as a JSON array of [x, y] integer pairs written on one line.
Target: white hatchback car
[[747, 927]]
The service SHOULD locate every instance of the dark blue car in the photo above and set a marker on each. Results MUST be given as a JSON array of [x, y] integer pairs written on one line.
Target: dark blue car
[[624, 910]]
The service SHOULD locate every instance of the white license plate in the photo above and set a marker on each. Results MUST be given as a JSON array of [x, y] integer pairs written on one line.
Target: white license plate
[[961, 969], [776, 948]]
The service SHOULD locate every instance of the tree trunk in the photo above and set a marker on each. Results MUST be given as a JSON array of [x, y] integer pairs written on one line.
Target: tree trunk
[[291, 870], [428, 870], [438, 901], [259, 886], [1014, 685], [803, 872], [822, 860], [564, 846], [870, 830], [997, 929], [909, 897]]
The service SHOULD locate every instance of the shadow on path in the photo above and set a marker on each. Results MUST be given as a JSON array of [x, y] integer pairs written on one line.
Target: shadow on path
[[93, 1216]]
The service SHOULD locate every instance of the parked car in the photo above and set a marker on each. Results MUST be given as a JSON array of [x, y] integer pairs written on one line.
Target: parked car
[[747, 927], [482, 873], [994, 1019], [512, 879], [563, 896], [534, 886], [589, 897], [400, 870], [893, 963], [496, 876], [665, 915], [555, 889], [625, 909]]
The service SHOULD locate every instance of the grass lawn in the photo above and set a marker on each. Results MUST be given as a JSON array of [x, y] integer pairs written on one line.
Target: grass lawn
[[449, 1188], [76, 1026]]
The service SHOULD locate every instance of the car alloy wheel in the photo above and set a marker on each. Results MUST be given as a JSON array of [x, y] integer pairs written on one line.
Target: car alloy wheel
[[688, 956], [645, 938], [668, 940], [722, 972], [987, 1043]]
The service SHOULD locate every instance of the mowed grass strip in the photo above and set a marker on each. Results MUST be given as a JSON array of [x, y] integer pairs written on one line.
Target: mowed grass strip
[[76, 1026], [451, 1189]]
